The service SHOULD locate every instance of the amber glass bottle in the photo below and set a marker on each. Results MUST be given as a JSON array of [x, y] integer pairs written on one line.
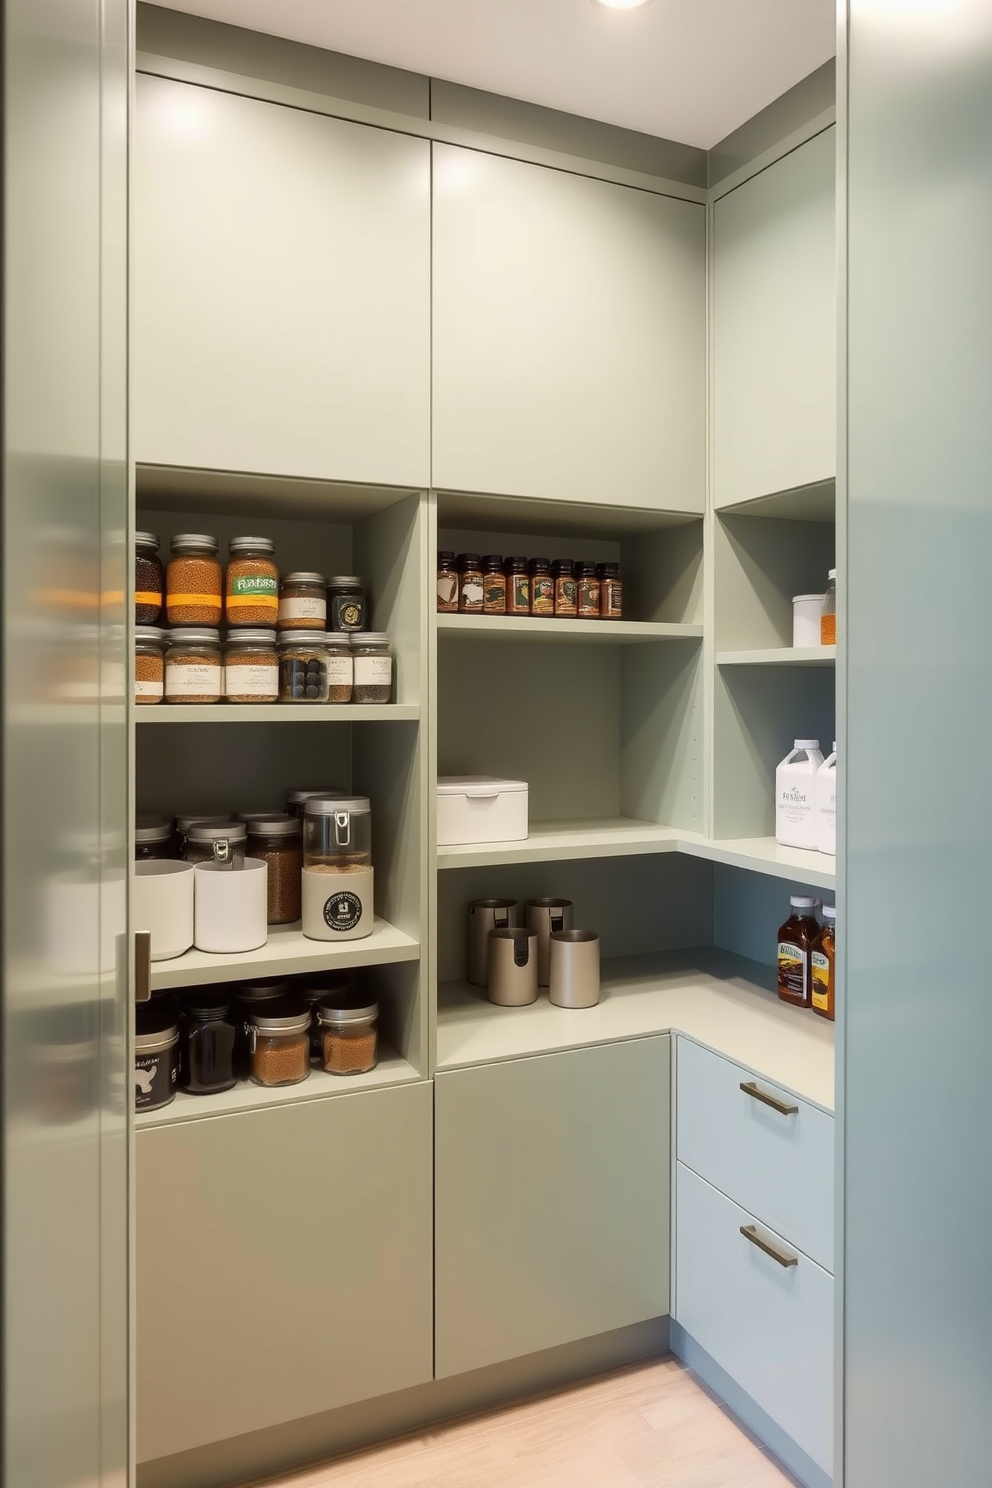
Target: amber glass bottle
[[795, 946], [823, 961]]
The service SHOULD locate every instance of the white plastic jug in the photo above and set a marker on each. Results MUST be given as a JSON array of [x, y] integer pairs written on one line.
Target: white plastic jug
[[826, 804], [795, 795]]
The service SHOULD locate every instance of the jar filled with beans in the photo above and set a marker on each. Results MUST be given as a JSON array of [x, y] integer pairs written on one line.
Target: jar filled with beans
[[149, 579], [303, 602], [193, 582], [252, 589], [251, 667], [280, 1041], [149, 664], [373, 668], [193, 671], [349, 1037], [278, 841], [304, 667]]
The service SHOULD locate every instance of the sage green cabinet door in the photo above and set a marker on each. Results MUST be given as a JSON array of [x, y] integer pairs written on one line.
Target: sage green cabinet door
[[569, 336], [775, 327], [283, 1264], [552, 1183], [282, 290]]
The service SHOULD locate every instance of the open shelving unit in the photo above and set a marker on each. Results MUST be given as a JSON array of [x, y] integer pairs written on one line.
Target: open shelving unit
[[287, 952]]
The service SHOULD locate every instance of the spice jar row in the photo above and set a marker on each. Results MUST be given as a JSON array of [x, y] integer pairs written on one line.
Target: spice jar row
[[204, 1040], [474, 584], [193, 589], [255, 666]]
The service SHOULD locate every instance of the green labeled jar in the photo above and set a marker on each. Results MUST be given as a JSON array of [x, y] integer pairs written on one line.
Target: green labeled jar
[[252, 590]]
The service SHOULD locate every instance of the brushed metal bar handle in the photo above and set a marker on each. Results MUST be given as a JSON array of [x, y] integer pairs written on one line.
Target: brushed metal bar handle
[[142, 966], [783, 1257], [750, 1088]]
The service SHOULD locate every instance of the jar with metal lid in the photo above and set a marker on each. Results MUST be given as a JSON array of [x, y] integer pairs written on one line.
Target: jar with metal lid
[[206, 1050], [373, 668], [517, 587], [149, 664], [313, 990], [303, 602], [247, 997], [337, 834], [587, 591], [349, 1037], [278, 841], [493, 585], [193, 581], [542, 587], [187, 819], [296, 800], [252, 587], [447, 583], [566, 598], [304, 667], [153, 839], [471, 594], [149, 579], [610, 591], [346, 606], [193, 671], [251, 667], [156, 1057], [216, 842], [280, 1042]]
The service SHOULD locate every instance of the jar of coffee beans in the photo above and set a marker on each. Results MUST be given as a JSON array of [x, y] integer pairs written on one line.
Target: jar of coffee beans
[[304, 667], [349, 1036], [252, 590], [280, 1041], [149, 579], [193, 582], [149, 664], [193, 671], [373, 668], [251, 667], [278, 841]]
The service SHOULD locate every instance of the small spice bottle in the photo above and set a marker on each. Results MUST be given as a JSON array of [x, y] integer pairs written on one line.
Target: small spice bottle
[[566, 601], [216, 842], [193, 671], [278, 841], [542, 587], [373, 668], [610, 591], [471, 594], [153, 839], [349, 1035], [251, 667], [280, 1041], [447, 583], [149, 579], [822, 963], [346, 606], [156, 1057], [587, 591], [252, 596], [795, 944], [517, 587], [303, 602], [206, 1048], [304, 667], [493, 585], [193, 581], [149, 664]]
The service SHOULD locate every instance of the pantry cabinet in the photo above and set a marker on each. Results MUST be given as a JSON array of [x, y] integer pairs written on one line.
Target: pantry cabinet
[[552, 1200], [569, 336], [282, 290], [283, 1264]]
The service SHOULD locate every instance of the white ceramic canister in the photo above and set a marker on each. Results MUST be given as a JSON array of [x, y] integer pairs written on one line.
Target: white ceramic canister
[[826, 804], [795, 795], [806, 611], [230, 906]]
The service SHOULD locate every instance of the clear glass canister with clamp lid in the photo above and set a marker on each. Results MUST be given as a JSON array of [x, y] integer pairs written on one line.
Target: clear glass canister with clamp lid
[[338, 882]]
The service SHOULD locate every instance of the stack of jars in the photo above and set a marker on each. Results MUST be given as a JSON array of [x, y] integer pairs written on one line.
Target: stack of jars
[[475, 584], [298, 638]]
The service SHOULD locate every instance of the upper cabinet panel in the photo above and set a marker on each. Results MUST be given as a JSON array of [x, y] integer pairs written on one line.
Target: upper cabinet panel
[[282, 290], [569, 336], [775, 328]]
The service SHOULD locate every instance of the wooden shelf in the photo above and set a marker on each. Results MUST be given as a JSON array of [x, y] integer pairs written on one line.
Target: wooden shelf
[[551, 842], [286, 953], [165, 713], [530, 627], [780, 656]]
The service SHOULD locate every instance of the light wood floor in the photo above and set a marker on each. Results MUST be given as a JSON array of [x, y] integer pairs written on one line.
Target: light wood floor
[[652, 1426]]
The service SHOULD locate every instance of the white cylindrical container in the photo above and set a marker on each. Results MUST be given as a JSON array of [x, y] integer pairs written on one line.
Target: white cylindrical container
[[230, 906], [826, 804], [795, 795], [574, 968], [806, 610], [162, 905], [547, 917], [338, 906], [512, 967]]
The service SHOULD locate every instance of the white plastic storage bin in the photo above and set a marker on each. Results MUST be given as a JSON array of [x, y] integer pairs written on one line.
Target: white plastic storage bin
[[480, 808]]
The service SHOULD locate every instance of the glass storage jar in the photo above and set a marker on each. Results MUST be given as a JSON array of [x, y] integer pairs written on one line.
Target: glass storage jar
[[305, 667], [187, 819], [193, 671], [470, 588], [517, 587], [216, 842], [610, 591], [149, 579], [153, 839], [149, 664], [251, 667], [493, 585], [566, 598], [206, 1050], [280, 1041], [247, 997], [587, 591], [296, 800], [336, 984], [373, 668], [193, 581], [156, 1057], [349, 1036], [252, 586], [337, 834], [346, 606], [303, 602], [447, 583], [278, 841], [542, 587]]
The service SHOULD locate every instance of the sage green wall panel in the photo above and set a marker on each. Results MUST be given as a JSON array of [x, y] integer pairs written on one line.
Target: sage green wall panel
[[552, 1183], [282, 290], [569, 336], [775, 327]]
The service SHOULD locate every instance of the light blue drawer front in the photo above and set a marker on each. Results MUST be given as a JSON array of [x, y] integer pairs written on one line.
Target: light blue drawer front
[[769, 1326], [778, 1166]]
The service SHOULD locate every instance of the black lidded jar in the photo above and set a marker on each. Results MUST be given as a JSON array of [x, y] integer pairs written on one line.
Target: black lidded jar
[[493, 585], [566, 603], [587, 585], [471, 595], [517, 587], [149, 579], [610, 591], [542, 587], [206, 1050], [156, 1055], [346, 605]]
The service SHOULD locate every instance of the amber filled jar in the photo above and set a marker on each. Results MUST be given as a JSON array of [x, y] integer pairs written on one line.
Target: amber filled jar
[[278, 841], [795, 947], [587, 591], [493, 585], [517, 587], [470, 589], [822, 964], [447, 584], [542, 587], [251, 667], [349, 1036], [566, 600], [252, 590], [149, 664], [610, 591], [280, 1041], [303, 602], [149, 579], [193, 671], [193, 582]]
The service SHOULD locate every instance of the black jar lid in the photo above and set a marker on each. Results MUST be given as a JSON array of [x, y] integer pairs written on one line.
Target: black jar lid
[[517, 564], [540, 565], [445, 558], [264, 990], [208, 1005], [608, 570], [584, 567], [329, 984], [493, 562], [563, 566], [155, 1018], [468, 560]]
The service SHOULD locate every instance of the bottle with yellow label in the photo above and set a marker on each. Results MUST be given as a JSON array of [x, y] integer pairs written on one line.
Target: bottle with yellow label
[[795, 944], [823, 959]]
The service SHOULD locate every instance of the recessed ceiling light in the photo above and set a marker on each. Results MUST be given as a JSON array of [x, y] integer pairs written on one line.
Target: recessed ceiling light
[[622, 4]]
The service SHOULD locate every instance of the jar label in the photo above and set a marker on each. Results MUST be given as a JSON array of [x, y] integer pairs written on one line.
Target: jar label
[[146, 597], [821, 980], [194, 679], [342, 911], [306, 608], [472, 592], [793, 969], [348, 614], [150, 689], [174, 601], [340, 670], [447, 589], [155, 1077], [252, 680], [373, 671], [265, 586]]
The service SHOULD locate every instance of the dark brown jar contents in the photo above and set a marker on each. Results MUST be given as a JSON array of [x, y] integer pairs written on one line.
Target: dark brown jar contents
[[149, 579], [542, 587], [566, 600], [610, 591], [252, 582], [447, 583], [193, 582], [795, 947], [493, 585], [279, 843], [517, 587], [470, 590], [587, 591]]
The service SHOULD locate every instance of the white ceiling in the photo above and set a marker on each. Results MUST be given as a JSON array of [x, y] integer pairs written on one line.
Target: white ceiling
[[690, 70]]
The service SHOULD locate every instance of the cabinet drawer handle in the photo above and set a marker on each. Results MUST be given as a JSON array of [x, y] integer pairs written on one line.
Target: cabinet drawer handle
[[783, 1257], [750, 1088]]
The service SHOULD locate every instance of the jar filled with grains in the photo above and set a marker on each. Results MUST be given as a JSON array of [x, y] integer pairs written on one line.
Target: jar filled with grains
[[149, 664], [493, 585], [304, 667], [216, 842], [251, 667], [248, 997], [542, 587], [447, 583], [149, 579], [280, 1042], [346, 607], [153, 839], [193, 582], [517, 587], [610, 591], [470, 587], [587, 591], [373, 668], [348, 1035], [252, 587], [303, 602], [566, 598], [336, 985], [193, 671], [278, 841]]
